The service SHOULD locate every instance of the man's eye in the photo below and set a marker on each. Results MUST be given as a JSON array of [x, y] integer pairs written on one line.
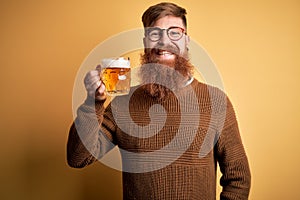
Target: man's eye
[[154, 34], [174, 33]]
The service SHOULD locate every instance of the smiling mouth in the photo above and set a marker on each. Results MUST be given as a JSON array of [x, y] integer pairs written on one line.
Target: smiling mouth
[[163, 52]]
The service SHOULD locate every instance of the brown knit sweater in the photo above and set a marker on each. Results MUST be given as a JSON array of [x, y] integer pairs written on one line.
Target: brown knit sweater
[[173, 157]]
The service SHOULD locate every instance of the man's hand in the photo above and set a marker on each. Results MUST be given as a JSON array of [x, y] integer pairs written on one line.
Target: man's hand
[[94, 86]]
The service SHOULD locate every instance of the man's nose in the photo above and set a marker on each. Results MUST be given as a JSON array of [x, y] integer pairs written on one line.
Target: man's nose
[[164, 39]]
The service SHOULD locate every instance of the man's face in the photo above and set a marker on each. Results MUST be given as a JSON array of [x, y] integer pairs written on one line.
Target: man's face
[[165, 65], [166, 47]]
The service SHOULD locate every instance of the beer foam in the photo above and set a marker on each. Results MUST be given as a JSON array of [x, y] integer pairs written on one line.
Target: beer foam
[[115, 63]]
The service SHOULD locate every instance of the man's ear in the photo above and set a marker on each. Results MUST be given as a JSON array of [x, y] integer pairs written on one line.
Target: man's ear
[[187, 40], [144, 42]]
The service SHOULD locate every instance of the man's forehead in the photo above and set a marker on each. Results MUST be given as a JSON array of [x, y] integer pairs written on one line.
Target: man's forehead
[[168, 21]]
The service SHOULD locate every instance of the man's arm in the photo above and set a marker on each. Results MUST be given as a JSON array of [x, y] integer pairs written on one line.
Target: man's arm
[[77, 154], [236, 177], [86, 142]]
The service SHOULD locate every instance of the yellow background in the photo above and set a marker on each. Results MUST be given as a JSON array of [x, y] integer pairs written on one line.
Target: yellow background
[[255, 45]]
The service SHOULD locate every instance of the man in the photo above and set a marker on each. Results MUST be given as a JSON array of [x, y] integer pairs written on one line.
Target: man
[[176, 159]]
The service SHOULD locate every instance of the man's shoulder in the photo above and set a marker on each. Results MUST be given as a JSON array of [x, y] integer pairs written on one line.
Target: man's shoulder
[[207, 88], [210, 96]]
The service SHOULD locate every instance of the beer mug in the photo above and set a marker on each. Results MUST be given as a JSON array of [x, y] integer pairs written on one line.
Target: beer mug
[[116, 75]]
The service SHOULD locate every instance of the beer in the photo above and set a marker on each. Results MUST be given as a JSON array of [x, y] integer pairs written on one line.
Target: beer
[[116, 76]]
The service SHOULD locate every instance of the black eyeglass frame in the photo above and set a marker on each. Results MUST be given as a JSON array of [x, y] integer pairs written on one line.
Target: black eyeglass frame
[[149, 29]]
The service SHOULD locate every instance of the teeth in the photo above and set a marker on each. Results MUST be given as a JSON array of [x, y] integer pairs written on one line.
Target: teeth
[[164, 53]]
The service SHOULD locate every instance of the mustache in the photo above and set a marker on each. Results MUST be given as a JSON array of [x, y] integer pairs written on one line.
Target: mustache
[[157, 48]]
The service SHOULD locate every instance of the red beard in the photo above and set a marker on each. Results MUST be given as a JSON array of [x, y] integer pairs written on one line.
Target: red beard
[[160, 77]]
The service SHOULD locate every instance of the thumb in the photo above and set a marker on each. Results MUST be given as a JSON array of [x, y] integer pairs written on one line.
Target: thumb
[[98, 68]]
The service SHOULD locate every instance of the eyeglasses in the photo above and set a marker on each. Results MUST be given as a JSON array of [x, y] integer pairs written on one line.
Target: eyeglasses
[[174, 33]]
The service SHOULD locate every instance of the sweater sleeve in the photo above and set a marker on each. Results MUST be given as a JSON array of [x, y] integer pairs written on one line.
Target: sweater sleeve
[[86, 141], [233, 162]]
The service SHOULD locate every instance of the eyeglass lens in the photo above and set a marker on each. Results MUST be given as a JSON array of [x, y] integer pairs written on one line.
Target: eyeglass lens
[[174, 33]]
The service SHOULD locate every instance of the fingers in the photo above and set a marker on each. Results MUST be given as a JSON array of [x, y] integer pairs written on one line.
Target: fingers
[[91, 77], [101, 88], [101, 92], [94, 86]]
